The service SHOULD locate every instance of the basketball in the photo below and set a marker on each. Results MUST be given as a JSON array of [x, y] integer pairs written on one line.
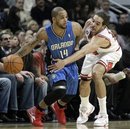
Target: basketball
[[13, 64]]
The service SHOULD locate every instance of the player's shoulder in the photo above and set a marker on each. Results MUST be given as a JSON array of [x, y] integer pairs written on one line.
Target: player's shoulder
[[77, 29], [76, 24]]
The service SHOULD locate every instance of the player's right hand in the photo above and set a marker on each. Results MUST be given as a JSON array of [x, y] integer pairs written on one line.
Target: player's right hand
[[59, 64]]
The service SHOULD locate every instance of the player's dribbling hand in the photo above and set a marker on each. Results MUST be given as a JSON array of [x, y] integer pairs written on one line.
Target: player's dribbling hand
[[59, 64]]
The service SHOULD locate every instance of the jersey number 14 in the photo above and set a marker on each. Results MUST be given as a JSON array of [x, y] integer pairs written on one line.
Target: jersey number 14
[[64, 53]]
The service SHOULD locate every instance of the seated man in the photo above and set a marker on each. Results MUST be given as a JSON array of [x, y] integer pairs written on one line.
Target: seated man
[[5, 88]]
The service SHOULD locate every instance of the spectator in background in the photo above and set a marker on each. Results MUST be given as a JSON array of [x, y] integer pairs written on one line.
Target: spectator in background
[[122, 24], [85, 13], [119, 37], [28, 4], [69, 5], [15, 43], [33, 25], [123, 18], [123, 103], [105, 7], [13, 104], [97, 5], [24, 79], [41, 12], [18, 18], [5, 88], [21, 36], [4, 8], [14, 16], [41, 80], [6, 42], [34, 77], [76, 13], [25, 86]]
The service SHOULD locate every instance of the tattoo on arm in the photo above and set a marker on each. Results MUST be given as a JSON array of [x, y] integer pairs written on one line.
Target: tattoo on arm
[[24, 50]]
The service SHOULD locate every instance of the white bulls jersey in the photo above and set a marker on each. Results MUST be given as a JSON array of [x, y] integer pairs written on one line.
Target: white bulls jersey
[[107, 56], [114, 46]]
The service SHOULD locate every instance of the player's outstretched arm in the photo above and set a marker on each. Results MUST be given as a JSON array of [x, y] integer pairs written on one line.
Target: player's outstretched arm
[[27, 48], [88, 48], [92, 46], [76, 56]]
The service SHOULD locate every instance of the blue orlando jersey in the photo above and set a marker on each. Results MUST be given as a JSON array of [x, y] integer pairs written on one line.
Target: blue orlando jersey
[[61, 47]]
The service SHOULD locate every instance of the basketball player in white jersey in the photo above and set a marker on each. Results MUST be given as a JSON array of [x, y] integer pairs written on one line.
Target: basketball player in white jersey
[[102, 53]]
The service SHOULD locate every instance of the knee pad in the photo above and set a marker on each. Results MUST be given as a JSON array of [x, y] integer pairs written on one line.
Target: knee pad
[[59, 88], [58, 92]]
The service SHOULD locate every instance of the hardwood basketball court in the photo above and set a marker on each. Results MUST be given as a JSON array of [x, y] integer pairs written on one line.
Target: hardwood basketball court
[[69, 125]]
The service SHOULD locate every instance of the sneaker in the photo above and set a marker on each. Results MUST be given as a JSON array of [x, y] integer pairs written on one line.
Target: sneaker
[[84, 113], [59, 112], [35, 116], [101, 121]]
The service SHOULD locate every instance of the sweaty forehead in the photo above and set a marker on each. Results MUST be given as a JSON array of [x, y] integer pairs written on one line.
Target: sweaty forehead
[[62, 13], [97, 19]]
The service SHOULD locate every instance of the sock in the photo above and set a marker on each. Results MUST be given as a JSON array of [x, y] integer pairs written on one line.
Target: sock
[[85, 101], [39, 108], [102, 105]]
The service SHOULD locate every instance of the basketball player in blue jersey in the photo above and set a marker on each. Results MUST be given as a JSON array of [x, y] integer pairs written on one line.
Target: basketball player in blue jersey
[[62, 39]]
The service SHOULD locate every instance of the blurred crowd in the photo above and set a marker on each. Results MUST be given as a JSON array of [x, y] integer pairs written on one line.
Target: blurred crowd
[[19, 22]]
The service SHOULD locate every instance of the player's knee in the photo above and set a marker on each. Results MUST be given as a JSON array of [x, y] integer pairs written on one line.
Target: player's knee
[[97, 75], [60, 91], [60, 88]]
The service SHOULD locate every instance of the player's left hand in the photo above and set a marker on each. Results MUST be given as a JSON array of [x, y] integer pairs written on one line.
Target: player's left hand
[[59, 64]]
